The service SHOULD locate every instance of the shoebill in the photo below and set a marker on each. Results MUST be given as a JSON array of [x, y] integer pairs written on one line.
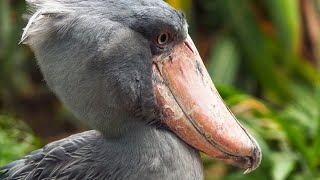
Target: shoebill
[[130, 71]]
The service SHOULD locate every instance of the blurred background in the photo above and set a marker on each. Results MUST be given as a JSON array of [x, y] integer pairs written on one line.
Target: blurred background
[[263, 56]]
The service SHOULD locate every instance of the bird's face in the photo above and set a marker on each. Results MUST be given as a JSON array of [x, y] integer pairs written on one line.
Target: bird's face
[[187, 100], [111, 62]]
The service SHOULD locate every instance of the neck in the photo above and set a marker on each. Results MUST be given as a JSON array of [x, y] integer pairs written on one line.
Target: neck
[[149, 152]]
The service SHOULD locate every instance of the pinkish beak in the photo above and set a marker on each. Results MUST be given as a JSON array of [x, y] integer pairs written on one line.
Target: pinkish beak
[[193, 109]]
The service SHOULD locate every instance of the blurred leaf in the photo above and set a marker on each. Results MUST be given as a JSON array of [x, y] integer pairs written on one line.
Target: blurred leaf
[[5, 21], [180, 4], [16, 140], [283, 165], [286, 17], [224, 62], [300, 122], [316, 145], [256, 47]]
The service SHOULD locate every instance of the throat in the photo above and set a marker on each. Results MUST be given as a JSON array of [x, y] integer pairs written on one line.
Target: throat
[[151, 152]]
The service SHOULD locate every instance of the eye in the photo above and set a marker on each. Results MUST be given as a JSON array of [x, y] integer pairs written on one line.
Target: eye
[[163, 39]]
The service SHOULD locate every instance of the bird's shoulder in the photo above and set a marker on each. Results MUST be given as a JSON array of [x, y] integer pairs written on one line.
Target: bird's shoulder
[[62, 159]]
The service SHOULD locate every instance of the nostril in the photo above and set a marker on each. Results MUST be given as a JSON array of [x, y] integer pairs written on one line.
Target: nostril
[[189, 46]]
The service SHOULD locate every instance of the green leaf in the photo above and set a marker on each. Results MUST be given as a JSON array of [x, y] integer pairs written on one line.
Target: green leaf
[[316, 145], [224, 62], [16, 140], [286, 16], [283, 165], [257, 49]]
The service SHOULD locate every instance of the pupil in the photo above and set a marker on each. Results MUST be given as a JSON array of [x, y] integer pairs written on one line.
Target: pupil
[[163, 38]]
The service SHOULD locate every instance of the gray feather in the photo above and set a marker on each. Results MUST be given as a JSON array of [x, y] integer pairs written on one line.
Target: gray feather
[[89, 156]]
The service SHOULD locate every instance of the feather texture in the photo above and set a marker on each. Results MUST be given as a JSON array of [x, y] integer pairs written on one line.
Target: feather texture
[[89, 155], [54, 160]]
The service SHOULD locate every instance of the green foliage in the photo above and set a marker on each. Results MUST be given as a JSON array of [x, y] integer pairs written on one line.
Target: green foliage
[[16, 140], [289, 138], [301, 123], [15, 79], [260, 53], [224, 62]]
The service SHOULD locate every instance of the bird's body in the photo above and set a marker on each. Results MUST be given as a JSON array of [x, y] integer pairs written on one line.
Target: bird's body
[[129, 69], [90, 156]]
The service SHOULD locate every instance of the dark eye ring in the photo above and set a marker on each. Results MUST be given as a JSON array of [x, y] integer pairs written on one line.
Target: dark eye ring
[[163, 39]]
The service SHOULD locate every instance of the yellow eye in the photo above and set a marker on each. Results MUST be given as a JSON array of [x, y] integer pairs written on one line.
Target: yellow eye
[[163, 39]]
